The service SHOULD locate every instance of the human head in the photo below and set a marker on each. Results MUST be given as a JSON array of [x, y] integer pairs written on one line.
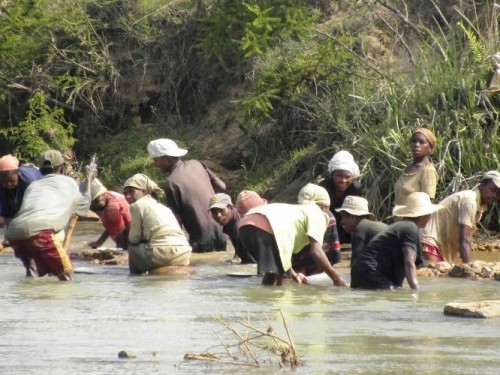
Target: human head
[[490, 187], [165, 153], [418, 208], [314, 194], [248, 199], [9, 172], [429, 135], [97, 190], [51, 161], [353, 210], [343, 169], [139, 185], [221, 208]]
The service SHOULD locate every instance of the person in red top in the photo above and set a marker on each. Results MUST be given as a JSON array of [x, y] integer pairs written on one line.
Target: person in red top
[[114, 212]]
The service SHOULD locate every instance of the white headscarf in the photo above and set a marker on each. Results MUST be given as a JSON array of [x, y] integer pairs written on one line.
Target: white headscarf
[[142, 182], [343, 160]]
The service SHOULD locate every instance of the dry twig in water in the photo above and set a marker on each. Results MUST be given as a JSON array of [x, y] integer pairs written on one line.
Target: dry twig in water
[[257, 345]]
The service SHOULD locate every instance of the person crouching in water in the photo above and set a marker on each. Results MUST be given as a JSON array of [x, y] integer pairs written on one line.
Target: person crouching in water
[[390, 256], [155, 238], [113, 211], [272, 233]]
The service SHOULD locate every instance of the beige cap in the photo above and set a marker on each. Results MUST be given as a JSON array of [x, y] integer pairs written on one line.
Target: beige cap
[[417, 204], [356, 206], [51, 159], [220, 200]]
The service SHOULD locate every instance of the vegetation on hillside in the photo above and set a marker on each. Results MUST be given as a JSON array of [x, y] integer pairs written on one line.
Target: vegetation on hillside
[[301, 80]]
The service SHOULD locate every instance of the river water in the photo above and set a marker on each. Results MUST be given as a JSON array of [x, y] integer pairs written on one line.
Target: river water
[[78, 327]]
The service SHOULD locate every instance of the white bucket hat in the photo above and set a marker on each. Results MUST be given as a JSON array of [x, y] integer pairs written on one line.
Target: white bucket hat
[[165, 147], [417, 204], [356, 206]]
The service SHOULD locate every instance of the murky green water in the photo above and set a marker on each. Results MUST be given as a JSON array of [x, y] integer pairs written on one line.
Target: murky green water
[[49, 327]]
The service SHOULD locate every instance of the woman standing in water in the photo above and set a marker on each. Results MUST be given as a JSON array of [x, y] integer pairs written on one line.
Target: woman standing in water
[[155, 237], [341, 181], [420, 175]]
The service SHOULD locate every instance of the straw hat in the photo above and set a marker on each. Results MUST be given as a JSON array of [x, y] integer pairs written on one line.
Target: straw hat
[[417, 204], [356, 206]]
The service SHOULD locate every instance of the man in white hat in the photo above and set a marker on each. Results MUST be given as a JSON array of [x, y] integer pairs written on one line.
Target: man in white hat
[[355, 219], [38, 229], [189, 185], [448, 234], [391, 255]]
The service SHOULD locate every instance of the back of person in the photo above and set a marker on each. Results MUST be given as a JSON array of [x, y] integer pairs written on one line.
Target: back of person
[[190, 183], [384, 255], [48, 205], [159, 225], [361, 236]]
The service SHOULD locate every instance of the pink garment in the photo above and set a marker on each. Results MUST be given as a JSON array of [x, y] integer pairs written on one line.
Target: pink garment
[[115, 216]]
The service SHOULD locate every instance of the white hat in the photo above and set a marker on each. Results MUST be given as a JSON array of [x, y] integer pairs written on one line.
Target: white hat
[[165, 147], [343, 160], [492, 175], [356, 206], [417, 204]]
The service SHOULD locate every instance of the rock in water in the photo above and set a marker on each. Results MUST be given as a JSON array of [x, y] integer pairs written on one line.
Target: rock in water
[[126, 354], [479, 309]]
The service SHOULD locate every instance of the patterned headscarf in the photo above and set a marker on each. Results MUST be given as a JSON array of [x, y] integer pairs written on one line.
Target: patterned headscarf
[[314, 194], [142, 182]]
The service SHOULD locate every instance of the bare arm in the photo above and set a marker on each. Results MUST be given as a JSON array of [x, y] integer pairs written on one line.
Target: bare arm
[[465, 243], [410, 269], [322, 261], [104, 236]]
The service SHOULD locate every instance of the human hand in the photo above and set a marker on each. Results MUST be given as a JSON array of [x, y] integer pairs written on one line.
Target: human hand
[[340, 282], [300, 278]]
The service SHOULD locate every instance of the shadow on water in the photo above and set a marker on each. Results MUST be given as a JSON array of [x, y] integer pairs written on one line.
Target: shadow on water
[[79, 327]]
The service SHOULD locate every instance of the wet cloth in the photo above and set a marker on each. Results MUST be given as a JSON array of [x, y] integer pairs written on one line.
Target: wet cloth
[[11, 199], [262, 246], [188, 189], [363, 234], [443, 229], [423, 180], [48, 204], [115, 216], [292, 226], [381, 264], [231, 229], [47, 252], [155, 237], [336, 202], [304, 262]]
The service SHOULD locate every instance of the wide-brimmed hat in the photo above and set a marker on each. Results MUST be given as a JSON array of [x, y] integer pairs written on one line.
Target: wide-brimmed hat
[[165, 147], [417, 204], [220, 200], [493, 176], [356, 206]]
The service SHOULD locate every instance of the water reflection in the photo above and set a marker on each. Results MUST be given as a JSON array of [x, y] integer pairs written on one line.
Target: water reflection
[[79, 327]]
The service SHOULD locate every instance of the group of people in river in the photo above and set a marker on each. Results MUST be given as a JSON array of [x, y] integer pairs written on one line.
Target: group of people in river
[[286, 241]]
